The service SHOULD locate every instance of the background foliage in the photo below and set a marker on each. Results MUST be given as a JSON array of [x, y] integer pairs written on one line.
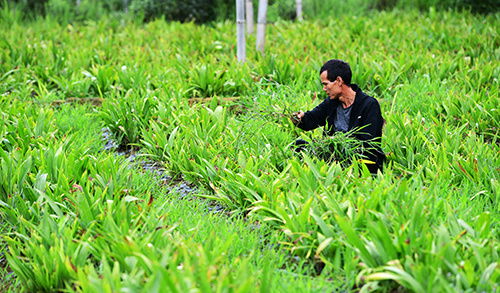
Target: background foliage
[[202, 11]]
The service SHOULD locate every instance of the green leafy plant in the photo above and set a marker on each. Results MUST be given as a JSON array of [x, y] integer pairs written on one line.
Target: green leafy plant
[[127, 118]]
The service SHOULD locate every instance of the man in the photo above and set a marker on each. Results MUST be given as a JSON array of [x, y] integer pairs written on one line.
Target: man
[[346, 108]]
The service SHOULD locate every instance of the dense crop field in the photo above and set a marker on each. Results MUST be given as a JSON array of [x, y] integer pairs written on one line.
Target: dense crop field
[[78, 216]]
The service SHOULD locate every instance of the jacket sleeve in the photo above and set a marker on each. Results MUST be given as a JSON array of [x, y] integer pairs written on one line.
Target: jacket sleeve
[[371, 127], [371, 132], [316, 117]]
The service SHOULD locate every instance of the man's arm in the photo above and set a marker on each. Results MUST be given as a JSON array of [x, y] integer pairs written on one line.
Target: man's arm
[[314, 118], [371, 132], [371, 127]]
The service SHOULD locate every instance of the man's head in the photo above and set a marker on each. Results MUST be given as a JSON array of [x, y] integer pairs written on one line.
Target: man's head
[[334, 75]]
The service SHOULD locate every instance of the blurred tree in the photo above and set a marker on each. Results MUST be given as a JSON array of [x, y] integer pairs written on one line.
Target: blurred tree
[[202, 11], [199, 11], [37, 6]]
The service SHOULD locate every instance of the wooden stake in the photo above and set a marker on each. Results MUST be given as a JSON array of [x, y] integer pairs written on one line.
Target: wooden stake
[[249, 14], [240, 30], [261, 25], [299, 10]]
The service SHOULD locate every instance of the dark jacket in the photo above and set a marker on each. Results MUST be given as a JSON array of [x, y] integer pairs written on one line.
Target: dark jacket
[[365, 114]]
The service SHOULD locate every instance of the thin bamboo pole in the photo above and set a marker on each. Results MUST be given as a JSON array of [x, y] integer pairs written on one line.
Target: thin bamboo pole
[[240, 30], [261, 25], [299, 10], [249, 14]]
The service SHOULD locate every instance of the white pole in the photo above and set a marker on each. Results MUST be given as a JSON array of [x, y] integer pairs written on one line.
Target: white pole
[[249, 13], [240, 30], [125, 5], [77, 3], [261, 25], [299, 10]]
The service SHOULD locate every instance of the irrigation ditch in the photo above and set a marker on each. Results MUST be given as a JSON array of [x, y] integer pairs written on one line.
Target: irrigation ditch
[[186, 190]]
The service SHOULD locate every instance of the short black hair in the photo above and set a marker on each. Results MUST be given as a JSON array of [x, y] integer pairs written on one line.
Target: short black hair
[[335, 68]]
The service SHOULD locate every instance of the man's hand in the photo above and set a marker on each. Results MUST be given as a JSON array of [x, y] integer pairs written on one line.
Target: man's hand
[[297, 117]]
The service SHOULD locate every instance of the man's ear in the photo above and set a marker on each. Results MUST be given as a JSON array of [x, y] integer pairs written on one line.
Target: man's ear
[[341, 81]]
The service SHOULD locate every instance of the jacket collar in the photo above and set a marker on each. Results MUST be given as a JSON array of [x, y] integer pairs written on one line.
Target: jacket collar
[[359, 93], [358, 100]]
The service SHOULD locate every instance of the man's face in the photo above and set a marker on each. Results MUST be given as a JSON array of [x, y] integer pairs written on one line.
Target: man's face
[[331, 88]]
